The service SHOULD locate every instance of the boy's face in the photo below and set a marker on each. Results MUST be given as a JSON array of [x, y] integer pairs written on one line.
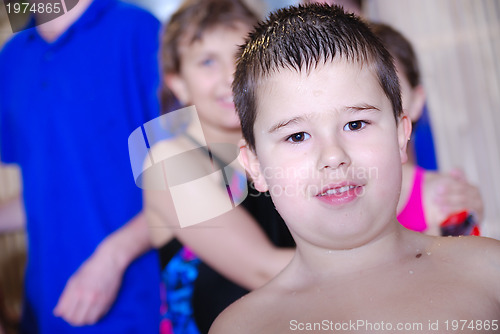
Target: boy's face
[[330, 152], [206, 75]]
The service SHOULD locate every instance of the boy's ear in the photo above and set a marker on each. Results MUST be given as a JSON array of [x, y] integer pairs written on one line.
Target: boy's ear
[[177, 85], [417, 104], [249, 160], [404, 133]]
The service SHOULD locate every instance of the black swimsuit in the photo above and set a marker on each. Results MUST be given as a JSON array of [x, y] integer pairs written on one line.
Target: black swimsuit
[[212, 292]]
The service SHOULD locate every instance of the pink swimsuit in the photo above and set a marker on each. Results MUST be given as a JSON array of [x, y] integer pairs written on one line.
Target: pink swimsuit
[[412, 216]]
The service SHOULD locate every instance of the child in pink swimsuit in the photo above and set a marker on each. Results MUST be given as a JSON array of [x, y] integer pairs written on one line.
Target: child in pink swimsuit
[[425, 199], [413, 216]]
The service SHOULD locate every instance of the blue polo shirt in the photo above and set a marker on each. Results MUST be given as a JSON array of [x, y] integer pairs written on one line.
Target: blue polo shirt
[[66, 111]]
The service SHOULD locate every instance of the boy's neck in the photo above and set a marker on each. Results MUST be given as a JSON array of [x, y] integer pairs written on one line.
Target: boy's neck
[[320, 263], [51, 30]]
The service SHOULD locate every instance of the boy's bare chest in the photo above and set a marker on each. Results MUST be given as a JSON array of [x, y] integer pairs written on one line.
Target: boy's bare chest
[[413, 304], [390, 315]]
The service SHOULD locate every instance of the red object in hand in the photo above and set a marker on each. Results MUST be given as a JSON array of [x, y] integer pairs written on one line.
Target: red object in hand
[[461, 223]]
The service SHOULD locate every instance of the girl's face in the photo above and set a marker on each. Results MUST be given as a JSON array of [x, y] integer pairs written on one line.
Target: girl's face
[[206, 75]]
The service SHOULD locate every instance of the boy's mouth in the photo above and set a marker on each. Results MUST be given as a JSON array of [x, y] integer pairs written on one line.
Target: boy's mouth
[[337, 191], [340, 193]]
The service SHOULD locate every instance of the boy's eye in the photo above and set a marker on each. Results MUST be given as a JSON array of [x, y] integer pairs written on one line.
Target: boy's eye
[[355, 125], [298, 137]]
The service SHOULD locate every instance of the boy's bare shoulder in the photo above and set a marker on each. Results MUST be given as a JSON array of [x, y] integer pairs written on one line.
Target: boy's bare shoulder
[[476, 256], [472, 249], [247, 314], [234, 318], [458, 275]]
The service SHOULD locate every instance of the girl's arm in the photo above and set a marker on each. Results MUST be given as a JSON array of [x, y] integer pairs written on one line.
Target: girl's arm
[[232, 243]]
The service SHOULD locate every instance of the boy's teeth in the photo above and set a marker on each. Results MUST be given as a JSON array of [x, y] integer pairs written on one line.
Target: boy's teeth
[[338, 190]]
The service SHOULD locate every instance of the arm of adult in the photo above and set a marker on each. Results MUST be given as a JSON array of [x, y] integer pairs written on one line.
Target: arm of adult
[[232, 243], [451, 193], [92, 289], [455, 193]]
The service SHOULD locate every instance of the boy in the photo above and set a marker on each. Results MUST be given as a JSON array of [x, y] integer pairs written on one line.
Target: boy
[[319, 103]]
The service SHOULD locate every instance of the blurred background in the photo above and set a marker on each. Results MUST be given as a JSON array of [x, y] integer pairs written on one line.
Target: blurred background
[[458, 46]]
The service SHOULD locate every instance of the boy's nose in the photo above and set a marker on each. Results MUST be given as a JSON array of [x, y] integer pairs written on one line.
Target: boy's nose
[[333, 156]]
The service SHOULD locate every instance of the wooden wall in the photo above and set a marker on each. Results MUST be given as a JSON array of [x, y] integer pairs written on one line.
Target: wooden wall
[[9, 175], [12, 234]]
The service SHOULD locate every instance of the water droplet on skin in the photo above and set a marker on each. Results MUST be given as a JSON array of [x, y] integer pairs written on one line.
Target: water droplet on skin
[[429, 253], [411, 272]]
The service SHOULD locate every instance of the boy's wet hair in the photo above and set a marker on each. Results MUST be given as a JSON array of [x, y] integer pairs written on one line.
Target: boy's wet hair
[[358, 4], [189, 23], [299, 38], [401, 49]]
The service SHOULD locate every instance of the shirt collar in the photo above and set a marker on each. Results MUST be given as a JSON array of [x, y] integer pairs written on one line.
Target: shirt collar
[[92, 13]]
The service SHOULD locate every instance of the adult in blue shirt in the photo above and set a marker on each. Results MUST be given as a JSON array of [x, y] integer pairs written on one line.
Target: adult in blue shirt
[[72, 91]]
